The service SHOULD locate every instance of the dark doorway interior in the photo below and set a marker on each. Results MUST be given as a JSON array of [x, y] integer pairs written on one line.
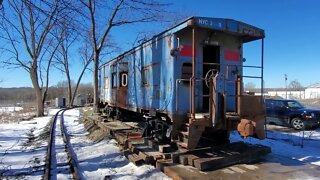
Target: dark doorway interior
[[211, 54]]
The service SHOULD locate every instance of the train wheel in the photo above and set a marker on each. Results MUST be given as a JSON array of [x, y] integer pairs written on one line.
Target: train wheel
[[159, 129]]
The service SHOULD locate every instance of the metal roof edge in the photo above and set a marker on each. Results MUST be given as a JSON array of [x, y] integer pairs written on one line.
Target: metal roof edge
[[171, 28]]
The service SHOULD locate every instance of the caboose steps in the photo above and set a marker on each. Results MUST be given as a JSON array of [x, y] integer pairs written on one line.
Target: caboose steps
[[189, 135]]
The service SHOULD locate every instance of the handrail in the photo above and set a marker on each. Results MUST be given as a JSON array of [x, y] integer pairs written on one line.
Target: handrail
[[226, 80]]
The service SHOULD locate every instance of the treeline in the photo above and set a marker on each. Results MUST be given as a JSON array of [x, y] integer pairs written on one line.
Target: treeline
[[9, 96], [21, 95]]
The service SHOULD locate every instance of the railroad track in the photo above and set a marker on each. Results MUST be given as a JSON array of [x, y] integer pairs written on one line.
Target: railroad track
[[59, 145]]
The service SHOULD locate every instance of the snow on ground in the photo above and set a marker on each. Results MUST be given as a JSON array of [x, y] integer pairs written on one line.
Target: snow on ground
[[10, 109], [290, 144], [98, 160], [15, 114], [18, 156]]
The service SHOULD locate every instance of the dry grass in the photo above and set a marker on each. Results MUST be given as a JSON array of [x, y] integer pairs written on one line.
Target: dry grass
[[27, 113]]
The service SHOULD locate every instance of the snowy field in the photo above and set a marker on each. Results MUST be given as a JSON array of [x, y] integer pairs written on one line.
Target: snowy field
[[23, 158], [10, 109], [15, 114], [23, 146]]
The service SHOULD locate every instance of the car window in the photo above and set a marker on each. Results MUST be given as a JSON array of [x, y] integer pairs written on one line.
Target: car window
[[278, 104], [294, 105]]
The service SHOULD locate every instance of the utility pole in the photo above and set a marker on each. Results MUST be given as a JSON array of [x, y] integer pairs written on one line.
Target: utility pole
[[285, 79]]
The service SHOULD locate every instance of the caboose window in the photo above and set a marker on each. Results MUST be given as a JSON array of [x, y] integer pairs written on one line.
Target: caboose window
[[124, 80], [114, 80], [145, 76], [186, 71]]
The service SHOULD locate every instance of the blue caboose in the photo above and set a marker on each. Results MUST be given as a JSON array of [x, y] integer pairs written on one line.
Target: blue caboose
[[187, 81]]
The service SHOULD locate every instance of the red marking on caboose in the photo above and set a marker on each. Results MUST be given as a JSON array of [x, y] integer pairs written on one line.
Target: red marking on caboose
[[231, 55], [186, 50]]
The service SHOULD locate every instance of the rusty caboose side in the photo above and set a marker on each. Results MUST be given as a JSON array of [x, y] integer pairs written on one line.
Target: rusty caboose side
[[186, 83]]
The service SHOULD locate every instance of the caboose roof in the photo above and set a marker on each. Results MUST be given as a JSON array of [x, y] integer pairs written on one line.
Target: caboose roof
[[237, 28], [245, 31]]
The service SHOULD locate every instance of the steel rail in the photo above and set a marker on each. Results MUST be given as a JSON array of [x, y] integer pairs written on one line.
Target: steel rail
[[51, 143], [72, 157], [47, 170]]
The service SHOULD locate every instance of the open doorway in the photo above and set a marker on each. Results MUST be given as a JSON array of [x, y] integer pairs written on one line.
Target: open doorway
[[211, 54]]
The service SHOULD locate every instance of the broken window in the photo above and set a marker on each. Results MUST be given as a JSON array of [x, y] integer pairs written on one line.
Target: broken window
[[145, 76]]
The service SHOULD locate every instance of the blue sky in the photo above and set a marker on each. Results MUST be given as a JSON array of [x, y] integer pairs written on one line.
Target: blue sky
[[292, 42]]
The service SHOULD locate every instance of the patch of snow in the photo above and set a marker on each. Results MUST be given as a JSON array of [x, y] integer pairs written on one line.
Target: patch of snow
[[10, 109], [98, 160], [16, 155]]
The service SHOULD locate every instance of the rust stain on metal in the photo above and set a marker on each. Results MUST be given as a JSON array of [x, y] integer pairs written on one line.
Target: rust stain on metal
[[252, 108], [169, 41], [150, 65], [122, 98], [147, 86]]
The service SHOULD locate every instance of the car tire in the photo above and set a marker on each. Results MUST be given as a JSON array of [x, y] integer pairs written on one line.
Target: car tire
[[297, 123]]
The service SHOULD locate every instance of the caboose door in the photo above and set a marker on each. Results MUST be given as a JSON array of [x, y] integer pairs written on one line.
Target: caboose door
[[210, 67], [123, 90]]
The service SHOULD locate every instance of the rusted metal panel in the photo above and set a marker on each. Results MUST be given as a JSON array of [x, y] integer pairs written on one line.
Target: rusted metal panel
[[122, 97], [252, 113], [122, 91]]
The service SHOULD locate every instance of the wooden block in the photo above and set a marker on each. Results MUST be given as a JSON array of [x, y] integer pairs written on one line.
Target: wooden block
[[191, 159], [148, 159], [210, 163], [160, 164], [183, 159], [134, 158], [166, 156], [164, 148], [175, 157], [132, 142], [121, 138]]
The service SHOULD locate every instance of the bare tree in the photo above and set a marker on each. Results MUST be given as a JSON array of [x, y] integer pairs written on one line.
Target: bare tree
[[86, 57], [295, 85], [117, 13], [250, 86], [27, 28], [68, 37]]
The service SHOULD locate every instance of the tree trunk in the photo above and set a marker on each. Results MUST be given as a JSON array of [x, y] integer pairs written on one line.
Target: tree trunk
[[37, 90], [69, 90], [95, 82], [40, 104]]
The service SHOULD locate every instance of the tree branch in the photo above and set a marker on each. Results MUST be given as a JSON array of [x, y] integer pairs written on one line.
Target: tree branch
[[110, 24]]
